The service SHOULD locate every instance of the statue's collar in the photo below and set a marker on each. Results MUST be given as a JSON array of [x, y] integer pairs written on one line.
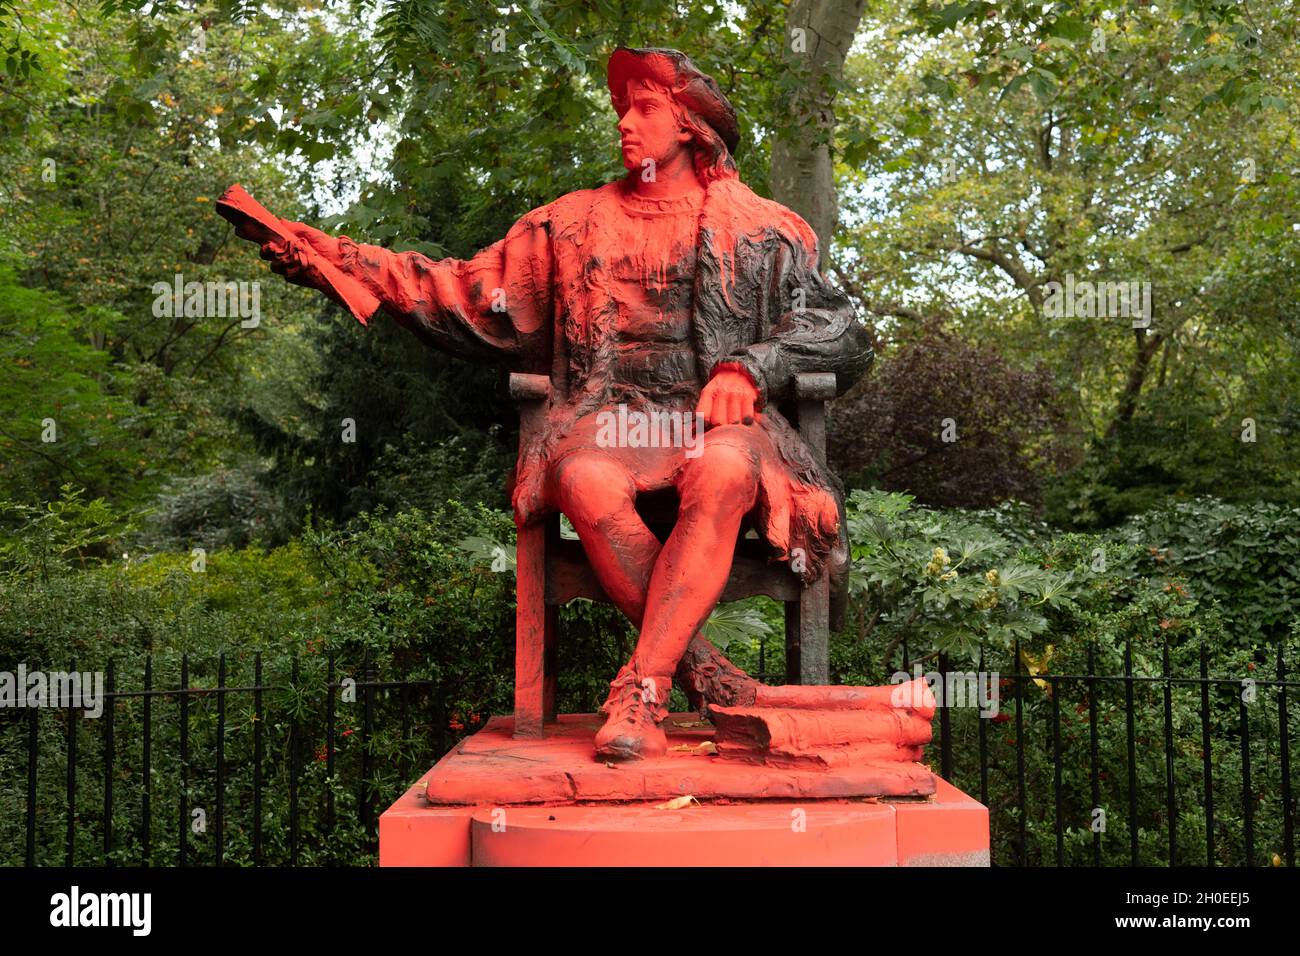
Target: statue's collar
[[689, 203]]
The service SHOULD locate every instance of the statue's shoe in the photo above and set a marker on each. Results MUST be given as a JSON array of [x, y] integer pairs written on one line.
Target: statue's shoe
[[708, 677], [635, 709]]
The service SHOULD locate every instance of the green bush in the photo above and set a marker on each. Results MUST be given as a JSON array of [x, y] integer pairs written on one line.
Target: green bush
[[395, 592], [1245, 558], [414, 596], [1068, 601]]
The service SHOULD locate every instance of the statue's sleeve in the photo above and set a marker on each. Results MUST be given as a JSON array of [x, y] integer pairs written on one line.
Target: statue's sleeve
[[494, 307], [808, 325]]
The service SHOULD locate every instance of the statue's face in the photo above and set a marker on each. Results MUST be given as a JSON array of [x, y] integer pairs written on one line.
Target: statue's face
[[650, 128]]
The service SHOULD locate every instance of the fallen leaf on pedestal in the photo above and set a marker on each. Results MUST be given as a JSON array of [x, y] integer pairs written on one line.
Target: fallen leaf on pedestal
[[691, 724], [611, 765], [677, 803], [707, 747]]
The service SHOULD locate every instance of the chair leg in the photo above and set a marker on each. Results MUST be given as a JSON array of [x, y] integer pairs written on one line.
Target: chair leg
[[550, 669], [531, 627], [812, 617], [807, 634], [551, 622], [792, 642]]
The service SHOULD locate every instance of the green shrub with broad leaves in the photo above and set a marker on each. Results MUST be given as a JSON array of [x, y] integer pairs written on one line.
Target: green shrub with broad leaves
[[1042, 610]]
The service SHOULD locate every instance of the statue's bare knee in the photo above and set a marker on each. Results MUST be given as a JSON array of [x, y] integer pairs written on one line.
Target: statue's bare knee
[[591, 489], [723, 479]]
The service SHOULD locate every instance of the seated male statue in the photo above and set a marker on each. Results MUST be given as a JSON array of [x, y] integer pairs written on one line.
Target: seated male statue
[[672, 290]]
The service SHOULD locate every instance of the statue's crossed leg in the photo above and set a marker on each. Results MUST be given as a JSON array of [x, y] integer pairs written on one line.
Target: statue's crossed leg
[[666, 590]]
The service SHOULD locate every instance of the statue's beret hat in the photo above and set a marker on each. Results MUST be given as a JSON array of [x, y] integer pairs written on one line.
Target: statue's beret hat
[[697, 91]]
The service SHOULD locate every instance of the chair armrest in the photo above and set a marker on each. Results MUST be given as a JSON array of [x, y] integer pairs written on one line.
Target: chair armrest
[[812, 390], [814, 386], [525, 387], [530, 393]]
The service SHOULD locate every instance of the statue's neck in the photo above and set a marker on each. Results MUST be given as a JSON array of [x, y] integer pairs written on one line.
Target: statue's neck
[[675, 179]]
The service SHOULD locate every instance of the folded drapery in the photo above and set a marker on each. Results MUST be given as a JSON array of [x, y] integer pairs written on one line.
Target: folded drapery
[[826, 727]]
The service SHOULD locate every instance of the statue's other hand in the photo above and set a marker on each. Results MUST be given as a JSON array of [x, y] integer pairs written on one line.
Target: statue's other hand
[[728, 399]]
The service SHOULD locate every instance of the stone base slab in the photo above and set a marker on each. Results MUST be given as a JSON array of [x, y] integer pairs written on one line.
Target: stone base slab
[[492, 767]]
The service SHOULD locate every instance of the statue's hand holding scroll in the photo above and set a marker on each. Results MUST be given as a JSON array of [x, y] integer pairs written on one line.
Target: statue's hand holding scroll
[[303, 255], [295, 256]]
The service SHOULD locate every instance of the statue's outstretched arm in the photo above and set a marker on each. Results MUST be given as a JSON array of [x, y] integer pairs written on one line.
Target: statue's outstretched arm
[[494, 307]]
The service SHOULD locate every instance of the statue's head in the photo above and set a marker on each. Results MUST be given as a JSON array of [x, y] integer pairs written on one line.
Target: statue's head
[[666, 105]]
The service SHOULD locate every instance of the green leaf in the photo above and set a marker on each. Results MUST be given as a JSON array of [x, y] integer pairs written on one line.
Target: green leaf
[[736, 621], [1071, 28]]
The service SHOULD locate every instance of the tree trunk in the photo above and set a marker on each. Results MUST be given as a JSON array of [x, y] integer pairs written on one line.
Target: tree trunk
[[817, 39], [1147, 346]]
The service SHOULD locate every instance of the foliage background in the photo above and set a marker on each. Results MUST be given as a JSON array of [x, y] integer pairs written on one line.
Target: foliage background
[[980, 151]]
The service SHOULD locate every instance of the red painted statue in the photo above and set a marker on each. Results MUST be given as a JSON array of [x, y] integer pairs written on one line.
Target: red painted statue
[[672, 293]]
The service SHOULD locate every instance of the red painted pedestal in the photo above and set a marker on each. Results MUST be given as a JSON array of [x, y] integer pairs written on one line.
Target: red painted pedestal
[[949, 829], [946, 828]]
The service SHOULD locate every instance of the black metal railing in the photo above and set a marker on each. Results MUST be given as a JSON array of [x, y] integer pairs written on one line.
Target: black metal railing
[[246, 794], [269, 755], [1264, 788]]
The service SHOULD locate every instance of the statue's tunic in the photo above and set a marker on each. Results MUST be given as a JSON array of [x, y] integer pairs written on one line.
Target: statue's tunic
[[623, 300]]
